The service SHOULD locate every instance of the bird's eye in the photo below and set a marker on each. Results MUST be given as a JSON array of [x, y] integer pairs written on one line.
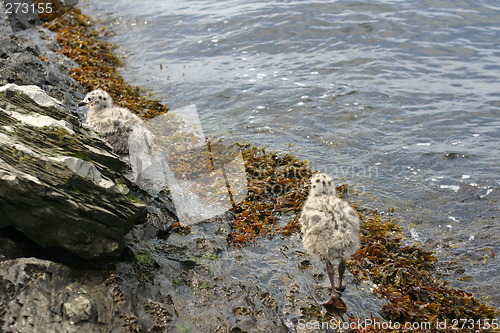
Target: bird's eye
[[317, 180]]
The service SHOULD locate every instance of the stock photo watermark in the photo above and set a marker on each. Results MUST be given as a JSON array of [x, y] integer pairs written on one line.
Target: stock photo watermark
[[205, 178], [445, 325]]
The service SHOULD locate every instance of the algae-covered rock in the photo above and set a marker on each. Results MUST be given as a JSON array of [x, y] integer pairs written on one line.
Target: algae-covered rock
[[59, 183]]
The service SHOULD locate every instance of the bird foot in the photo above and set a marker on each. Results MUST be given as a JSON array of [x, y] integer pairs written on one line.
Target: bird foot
[[328, 285], [335, 301]]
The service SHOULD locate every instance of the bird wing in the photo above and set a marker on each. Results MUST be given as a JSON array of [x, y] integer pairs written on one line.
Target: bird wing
[[351, 215], [128, 117], [313, 222]]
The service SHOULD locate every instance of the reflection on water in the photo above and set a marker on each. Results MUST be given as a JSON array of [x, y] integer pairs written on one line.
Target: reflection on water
[[399, 99]]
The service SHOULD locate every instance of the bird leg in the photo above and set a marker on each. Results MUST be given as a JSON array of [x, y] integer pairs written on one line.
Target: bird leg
[[339, 286], [331, 276], [335, 299]]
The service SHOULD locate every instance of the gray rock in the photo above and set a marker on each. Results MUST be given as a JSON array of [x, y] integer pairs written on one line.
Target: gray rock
[[21, 63], [42, 296], [60, 184], [79, 308]]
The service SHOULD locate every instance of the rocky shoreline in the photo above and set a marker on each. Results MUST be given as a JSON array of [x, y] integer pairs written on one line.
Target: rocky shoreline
[[81, 251], [63, 199]]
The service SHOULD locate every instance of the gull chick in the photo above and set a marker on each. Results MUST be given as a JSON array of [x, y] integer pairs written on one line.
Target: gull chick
[[113, 123], [330, 228]]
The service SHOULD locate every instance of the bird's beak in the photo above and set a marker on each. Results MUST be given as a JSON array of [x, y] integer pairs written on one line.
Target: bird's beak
[[82, 103]]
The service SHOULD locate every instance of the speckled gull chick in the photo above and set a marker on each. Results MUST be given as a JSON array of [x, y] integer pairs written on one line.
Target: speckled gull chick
[[330, 228], [113, 123]]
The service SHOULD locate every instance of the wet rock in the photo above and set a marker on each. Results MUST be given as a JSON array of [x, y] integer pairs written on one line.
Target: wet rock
[[198, 283], [79, 308], [43, 296], [29, 295], [60, 185], [27, 58]]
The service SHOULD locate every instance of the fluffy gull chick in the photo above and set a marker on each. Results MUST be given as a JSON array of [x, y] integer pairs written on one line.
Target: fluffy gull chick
[[113, 123], [330, 228]]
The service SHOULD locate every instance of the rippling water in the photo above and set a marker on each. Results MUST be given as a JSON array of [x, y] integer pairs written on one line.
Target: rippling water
[[399, 99]]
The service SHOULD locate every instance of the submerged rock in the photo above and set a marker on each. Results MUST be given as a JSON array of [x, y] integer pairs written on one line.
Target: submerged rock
[[59, 183]]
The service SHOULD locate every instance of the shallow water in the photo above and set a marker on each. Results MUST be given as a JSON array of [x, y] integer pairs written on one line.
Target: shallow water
[[400, 100]]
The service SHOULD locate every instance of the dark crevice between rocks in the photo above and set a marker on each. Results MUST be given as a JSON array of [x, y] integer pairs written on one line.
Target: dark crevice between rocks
[[15, 244]]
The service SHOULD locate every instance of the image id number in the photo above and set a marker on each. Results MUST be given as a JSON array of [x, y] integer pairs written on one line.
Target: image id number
[[25, 8]]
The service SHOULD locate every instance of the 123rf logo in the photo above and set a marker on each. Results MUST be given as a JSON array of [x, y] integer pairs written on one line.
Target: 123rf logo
[[24, 14]]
